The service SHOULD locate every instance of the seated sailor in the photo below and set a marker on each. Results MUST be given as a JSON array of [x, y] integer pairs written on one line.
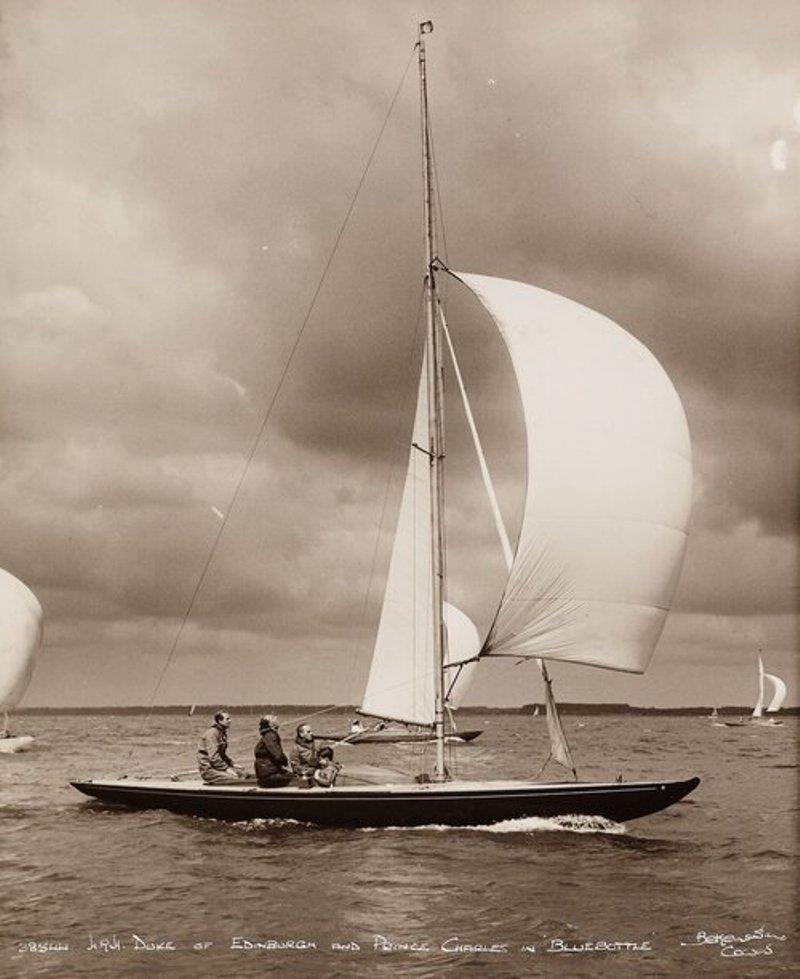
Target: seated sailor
[[213, 760], [356, 727], [327, 768], [303, 756], [272, 765]]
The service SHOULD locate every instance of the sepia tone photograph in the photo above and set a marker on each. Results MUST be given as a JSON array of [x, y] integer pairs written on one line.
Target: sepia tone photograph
[[399, 488]]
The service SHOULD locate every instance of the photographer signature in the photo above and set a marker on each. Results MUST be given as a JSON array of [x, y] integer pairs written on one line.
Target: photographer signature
[[738, 946]]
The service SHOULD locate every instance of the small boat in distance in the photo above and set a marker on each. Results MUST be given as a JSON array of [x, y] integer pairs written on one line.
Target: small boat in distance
[[390, 735], [778, 697], [605, 509], [20, 637]]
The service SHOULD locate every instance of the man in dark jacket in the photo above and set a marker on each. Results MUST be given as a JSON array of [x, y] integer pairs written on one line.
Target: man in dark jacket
[[213, 760], [272, 765], [303, 756]]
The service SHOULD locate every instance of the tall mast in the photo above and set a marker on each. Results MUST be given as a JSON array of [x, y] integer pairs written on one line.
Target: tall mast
[[435, 415]]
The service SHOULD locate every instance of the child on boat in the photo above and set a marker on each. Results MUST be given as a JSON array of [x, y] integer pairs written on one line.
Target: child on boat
[[327, 769]]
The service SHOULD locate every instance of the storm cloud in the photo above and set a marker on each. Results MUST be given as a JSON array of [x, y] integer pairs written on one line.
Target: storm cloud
[[175, 176]]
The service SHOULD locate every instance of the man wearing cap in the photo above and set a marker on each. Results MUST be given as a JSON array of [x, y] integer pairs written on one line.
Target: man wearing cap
[[212, 752], [303, 756], [272, 765]]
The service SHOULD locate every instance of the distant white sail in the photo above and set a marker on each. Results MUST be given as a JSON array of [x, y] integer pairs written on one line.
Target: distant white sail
[[20, 636], [780, 693], [609, 484]]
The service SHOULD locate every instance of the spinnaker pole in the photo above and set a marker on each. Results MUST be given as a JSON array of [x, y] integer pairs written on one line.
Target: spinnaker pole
[[435, 417]]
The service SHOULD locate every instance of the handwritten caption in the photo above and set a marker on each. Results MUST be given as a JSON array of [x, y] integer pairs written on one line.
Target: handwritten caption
[[731, 946], [377, 943], [760, 941]]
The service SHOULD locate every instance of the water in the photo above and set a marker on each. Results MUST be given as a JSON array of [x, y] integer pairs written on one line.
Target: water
[[720, 862]]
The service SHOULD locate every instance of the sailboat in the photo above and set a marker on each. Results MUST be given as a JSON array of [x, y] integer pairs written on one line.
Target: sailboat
[[589, 581], [397, 735], [775, 704], [20, 636]]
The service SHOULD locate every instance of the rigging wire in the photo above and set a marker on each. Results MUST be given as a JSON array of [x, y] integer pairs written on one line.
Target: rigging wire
[[439, 208], [259, 435]]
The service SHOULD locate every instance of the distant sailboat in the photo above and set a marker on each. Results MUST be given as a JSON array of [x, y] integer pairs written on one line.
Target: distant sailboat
[[20, 636], [775, 704], [716, 720], [590, 580]]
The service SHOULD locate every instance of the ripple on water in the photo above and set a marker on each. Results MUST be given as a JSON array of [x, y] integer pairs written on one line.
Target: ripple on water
[[163, 873]]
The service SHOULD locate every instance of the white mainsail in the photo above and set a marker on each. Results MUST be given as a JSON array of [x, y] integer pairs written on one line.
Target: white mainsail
[[401, 681], [400, 685], [20, 635], [609, 484]]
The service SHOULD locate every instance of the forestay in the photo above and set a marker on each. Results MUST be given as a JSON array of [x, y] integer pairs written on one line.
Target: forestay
[[609, 484]]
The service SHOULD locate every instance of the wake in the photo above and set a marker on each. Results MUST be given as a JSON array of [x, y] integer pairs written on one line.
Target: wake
[[526, 824]]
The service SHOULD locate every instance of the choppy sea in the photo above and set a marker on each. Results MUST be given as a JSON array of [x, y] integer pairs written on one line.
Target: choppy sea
[[707, 886]]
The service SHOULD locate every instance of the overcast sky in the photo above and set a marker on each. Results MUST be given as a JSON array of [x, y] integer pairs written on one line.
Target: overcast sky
[[174, 176]]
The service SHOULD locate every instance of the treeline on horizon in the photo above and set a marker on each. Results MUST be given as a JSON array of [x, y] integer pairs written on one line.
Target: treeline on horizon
[[304, 710]]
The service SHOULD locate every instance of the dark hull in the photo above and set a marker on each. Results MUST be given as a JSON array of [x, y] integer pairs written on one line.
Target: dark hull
[[397, 737], [753, 723], [380, 806]]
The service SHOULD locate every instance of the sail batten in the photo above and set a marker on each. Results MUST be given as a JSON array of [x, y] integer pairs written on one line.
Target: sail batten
[[608, 484]]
